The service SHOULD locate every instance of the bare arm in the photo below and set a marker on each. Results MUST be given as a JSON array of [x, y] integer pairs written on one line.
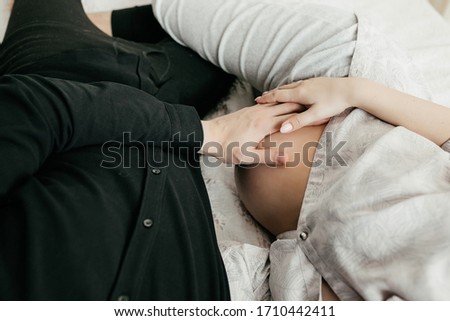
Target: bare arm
[[420, 116], [327, 97]]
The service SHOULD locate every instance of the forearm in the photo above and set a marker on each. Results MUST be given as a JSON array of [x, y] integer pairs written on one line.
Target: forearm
[[41, 116], [420, 116]]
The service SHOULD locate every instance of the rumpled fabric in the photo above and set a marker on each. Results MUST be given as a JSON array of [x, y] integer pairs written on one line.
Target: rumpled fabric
[[374, 221]]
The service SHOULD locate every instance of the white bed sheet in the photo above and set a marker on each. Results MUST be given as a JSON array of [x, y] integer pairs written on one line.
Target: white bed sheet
[[418, 28], [413, 24]]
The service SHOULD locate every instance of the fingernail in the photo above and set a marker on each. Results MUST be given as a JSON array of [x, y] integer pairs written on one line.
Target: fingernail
[[286, 128], [265, 93], [258, 98]]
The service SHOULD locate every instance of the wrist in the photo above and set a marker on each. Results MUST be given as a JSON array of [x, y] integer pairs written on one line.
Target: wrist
[[360, 92], [209, 137], [354, 91], [206, 135]]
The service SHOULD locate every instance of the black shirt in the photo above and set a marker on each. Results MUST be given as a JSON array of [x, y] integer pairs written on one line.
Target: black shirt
[[101, 194]]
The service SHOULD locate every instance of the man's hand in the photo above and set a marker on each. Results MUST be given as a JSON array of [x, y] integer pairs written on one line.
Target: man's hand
[[235, 138]]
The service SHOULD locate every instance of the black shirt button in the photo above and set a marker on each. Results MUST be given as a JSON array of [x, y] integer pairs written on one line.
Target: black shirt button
[[148, 223], [156, 171], [123, 298]]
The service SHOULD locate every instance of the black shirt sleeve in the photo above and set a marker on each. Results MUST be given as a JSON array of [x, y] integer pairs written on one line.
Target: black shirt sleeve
[[40, 116], [137, 24]]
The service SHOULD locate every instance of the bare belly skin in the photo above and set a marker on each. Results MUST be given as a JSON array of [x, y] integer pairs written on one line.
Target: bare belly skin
[[274, 195]]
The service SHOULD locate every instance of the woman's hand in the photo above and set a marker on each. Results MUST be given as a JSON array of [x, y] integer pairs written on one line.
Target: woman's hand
[[322, 98], [235, 138], [327, 97]]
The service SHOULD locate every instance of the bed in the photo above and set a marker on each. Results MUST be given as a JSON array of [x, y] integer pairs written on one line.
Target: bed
[[423, 34], [419, 30], [414, 25]]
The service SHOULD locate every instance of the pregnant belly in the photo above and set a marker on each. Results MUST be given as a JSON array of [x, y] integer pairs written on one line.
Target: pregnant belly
[[274, 195]]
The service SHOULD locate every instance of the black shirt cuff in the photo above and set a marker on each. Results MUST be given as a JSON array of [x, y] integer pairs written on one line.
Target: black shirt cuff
[[186, 127]]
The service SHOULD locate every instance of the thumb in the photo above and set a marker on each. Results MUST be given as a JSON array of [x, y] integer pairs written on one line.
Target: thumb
[[300, 120]]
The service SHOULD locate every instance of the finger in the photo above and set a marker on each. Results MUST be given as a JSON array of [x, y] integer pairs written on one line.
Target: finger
[[281, 96], [286, 108], [288, 86], [298, 121], [321, 122], [262, 106], [291, 85], [279, 121]]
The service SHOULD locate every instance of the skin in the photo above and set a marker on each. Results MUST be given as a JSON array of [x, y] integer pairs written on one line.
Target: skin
[[267, 191], [240, 133], [263, 188], [327, 97], [274, 194], [261, 121], [244, 128], [102, 20]]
